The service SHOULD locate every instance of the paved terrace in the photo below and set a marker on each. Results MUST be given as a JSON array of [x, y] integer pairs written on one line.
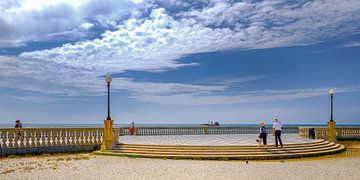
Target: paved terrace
[[221, 139]]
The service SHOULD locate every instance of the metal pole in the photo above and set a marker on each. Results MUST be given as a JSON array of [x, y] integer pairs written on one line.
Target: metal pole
[[108, 86], [331, 117]]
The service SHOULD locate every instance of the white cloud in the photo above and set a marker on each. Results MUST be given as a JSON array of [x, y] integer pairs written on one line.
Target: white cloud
[[47, 78], [87, 25], [52, 78], [350, 45], [245, 97], [41, 79], [156, 42], [23, 21]]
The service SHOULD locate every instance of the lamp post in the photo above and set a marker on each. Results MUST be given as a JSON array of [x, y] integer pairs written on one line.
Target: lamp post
[[331, 136], [331, 92], [108, 139], [108, 80]]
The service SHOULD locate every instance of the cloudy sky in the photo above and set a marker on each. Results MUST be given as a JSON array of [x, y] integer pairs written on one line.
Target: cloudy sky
[[179, 61]]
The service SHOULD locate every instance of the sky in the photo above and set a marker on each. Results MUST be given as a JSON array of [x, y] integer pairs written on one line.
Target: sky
[[179, 61]]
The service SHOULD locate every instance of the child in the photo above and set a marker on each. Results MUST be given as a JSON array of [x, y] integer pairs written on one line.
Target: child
[[263, 134]]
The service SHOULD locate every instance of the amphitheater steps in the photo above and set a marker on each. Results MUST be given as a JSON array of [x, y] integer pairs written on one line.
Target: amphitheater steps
[[248, 152]]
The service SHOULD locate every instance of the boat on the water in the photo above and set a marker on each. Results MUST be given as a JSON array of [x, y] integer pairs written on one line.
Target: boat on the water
[[211, 124]]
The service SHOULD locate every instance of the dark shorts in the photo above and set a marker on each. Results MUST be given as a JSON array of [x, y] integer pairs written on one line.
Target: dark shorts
[[264, 138]]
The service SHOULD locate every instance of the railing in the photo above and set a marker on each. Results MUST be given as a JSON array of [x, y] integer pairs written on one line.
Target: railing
[[348, 132], [38, 137], [149, 131], [304, 132], [321, 132]]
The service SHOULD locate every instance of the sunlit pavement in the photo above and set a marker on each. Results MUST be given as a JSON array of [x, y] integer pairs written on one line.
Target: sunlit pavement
[[223, 139]]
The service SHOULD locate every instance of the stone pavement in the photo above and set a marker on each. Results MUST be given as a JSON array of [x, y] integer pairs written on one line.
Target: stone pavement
[[220, 139]]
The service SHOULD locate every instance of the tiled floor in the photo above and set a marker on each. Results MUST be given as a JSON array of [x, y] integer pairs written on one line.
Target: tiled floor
[[223, 139]]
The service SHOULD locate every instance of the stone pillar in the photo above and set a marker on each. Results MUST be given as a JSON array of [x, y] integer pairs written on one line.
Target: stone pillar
[[136, 131], [107, 143], [206, 130], [331, 136]]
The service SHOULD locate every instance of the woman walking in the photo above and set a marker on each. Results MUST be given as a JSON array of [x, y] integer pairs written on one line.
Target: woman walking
[[263, 134]]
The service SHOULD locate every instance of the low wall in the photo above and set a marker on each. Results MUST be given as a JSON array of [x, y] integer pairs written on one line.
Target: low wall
[[322, 131], [49, 140]]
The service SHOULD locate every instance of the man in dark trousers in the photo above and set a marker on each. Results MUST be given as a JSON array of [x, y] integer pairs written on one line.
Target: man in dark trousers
[[276, 131], [18, 124]]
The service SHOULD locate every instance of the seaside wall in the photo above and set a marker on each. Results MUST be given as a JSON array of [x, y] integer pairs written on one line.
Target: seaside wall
[[155, 131], [49, 140], [342, 133]]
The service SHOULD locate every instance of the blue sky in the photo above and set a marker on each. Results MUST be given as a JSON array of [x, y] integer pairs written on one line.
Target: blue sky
[[179, 61]]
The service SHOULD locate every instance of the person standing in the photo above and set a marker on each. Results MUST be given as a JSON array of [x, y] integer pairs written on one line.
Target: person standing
[[132, 128], [276, 131], [263, 134], [18, 124]]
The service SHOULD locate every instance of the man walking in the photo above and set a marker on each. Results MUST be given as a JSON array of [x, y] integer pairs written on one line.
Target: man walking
[[276, 131]]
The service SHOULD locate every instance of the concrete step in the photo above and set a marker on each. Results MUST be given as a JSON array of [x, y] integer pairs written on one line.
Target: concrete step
[[337, 148], [214, 148], [211, 147], [315, 148], [250, 157], [261, 151]]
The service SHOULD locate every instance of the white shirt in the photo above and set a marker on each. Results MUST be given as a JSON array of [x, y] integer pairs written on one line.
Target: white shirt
[[277, 126]]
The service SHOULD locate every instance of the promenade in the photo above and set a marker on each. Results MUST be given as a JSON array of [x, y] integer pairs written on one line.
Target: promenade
[[221, 139]]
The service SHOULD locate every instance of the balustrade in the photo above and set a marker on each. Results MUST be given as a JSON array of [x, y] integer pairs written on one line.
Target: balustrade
[[321, 132], [37, 137], [348, 132], [149, 131], [28, 137]]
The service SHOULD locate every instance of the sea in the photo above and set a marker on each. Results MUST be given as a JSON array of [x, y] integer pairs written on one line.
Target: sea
[[153, 125]]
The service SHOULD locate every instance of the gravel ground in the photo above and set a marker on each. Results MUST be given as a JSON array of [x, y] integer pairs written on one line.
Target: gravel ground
[[89, 166]]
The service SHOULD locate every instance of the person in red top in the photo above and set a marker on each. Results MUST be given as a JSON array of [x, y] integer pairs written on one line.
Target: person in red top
[[132, 128]]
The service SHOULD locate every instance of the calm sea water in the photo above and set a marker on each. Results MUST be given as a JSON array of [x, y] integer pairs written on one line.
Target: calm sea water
[[147, 125]]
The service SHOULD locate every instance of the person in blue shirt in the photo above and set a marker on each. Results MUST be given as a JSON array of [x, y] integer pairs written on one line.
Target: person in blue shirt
[[262, 135]]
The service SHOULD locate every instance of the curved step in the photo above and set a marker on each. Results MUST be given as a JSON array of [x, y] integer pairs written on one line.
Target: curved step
[[208, 146], [294, 150], [261, 151], [215, 148], [249, 157]]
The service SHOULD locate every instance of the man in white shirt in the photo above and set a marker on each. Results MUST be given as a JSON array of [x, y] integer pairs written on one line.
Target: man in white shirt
[[276, 131]]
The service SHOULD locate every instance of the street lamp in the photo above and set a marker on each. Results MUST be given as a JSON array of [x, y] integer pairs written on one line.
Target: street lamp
[[331, 92], [108, 80]]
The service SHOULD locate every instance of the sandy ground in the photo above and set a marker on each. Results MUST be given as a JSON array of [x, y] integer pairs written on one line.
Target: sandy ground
[[89, 166]]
